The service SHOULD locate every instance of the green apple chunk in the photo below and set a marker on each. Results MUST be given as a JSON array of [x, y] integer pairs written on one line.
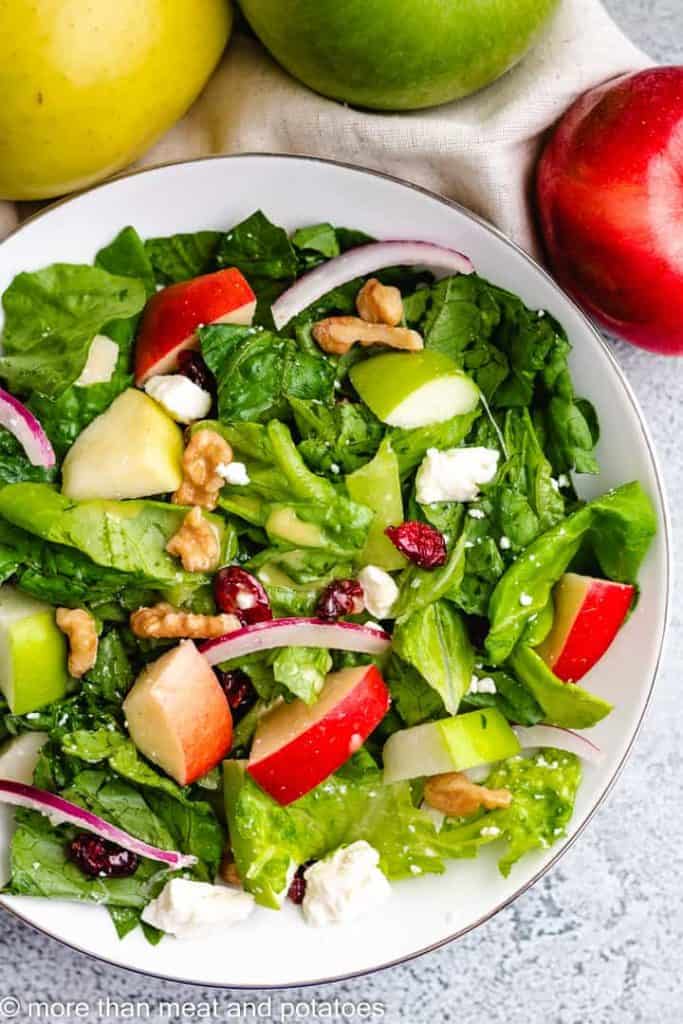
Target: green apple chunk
[[33, 653], [449, 745], [132, 450], [378, 486], [414, 389]]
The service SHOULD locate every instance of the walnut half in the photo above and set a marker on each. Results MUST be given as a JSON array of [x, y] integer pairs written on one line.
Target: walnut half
[[202, 482], [164, 621], [79, 627], [196, 543], [454, 794], [337, 334], [379, 303]]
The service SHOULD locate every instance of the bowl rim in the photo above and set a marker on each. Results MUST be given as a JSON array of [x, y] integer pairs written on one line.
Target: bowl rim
[[666, 536]]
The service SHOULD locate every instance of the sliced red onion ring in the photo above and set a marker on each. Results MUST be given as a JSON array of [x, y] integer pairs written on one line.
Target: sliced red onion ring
[[563, 739], [364, 259], [64, 812], [263, 636], [16, 418]]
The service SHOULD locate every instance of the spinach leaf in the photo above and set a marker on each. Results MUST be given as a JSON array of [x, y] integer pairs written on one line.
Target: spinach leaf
[[314, 245], [259, 249], [14, 465], [127, 255], [414, 699], [338, 439], [511, 698], [620, 526], [40, 867], [52, 315], [180, 257], [564, 704], [258, 371], [434, 640], [411, 446]]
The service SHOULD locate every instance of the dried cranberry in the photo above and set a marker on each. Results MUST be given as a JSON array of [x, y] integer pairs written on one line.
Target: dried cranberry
[[191, 364], [239, 593], [239, 690], [340, 597], [99, 858], [297, 889], [419, 542]]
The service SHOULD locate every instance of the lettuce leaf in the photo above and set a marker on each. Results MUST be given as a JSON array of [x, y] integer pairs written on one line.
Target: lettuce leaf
[[434, 641], [269, 841], [543, 793], [302, 670], [128, 536]]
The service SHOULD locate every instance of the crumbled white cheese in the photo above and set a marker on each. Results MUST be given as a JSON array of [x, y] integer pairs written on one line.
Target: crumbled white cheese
[[99, 367], [490, 831], [476, 513], [505, 543], [335, 468], [379, 591], [193, 910], [455, 474], [484, 685], [525, 600], [234, 473], [563, 480], [180, 397], [555, 484], [344, 886]]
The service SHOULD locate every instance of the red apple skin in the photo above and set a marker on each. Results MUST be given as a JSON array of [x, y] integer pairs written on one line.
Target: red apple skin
[[610, 199], [173, 315], [296, 746], [588, 615]]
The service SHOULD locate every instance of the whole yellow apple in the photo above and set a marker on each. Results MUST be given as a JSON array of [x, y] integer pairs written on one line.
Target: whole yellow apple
[[88, 85]]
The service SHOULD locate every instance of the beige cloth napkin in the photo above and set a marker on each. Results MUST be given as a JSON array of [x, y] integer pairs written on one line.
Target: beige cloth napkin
[[479, 151]]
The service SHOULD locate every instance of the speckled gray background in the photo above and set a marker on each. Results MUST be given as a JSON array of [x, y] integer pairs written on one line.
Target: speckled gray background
[[600, 938]]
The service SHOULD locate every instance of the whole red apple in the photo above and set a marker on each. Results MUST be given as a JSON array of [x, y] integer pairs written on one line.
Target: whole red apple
[[610, 194]]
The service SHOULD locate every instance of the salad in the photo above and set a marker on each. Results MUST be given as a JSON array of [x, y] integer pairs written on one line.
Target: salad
[[297, 590]]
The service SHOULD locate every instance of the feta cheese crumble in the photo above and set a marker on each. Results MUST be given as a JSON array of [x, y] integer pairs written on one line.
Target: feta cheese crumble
[[102, 358], [476, 513], [455, 474], [379, 591], [344, 886], [505, 543], [484, 685], [490, 832], [180, 397], [525, 600], [195, 910], [234, 473]]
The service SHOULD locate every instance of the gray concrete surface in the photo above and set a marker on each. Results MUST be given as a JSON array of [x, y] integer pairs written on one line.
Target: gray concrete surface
[[600, 938]]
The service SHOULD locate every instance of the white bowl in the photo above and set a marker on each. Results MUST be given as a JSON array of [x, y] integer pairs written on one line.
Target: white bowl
[[278, 949]]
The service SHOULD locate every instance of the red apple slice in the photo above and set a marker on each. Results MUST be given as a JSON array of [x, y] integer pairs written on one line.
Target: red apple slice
[[588, 614], [178, 715], [296, 746], [173, 315]]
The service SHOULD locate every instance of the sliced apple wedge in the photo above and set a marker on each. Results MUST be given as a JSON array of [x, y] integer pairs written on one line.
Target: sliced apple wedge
[[588, 615], [414, 389], [173, 315], [449, 745], [297, 746], [132, 450], [178, 715]]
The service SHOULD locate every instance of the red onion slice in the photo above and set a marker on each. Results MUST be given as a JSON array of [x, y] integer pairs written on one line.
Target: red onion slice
[[264, 636], [563, 739], [364, 259], [16, 418], [20, 795]]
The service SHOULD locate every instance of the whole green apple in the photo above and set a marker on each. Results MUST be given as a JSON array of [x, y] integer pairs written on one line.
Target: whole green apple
[[397, 54]]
